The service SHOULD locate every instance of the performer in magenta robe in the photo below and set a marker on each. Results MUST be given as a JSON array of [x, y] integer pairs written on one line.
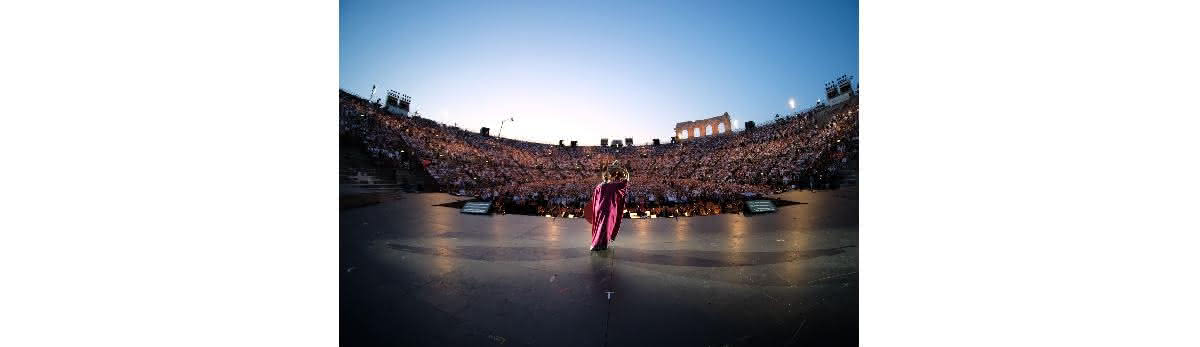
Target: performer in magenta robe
[[605, 209]]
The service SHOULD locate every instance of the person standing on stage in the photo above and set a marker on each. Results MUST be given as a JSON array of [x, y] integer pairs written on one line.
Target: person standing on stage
[[604, 212]]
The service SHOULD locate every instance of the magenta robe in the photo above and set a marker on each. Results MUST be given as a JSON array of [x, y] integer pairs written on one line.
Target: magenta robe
[[604, 212]]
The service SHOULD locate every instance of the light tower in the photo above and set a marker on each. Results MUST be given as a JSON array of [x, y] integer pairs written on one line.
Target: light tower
[[510, 119]]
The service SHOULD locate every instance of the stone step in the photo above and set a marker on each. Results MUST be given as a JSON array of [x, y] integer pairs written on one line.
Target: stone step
[[367, 180], [385, 189], [364, 185]]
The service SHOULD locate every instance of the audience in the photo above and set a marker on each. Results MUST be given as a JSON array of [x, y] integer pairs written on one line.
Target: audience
[[700, 176]]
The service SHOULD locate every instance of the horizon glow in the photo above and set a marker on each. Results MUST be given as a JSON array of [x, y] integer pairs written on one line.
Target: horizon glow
[[585, 71]]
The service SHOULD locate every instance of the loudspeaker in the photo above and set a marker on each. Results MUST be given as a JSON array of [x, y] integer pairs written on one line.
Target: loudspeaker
[[573, 143], [484, 131], [656, 142], [629, 141], [603, 142], [749, 125]]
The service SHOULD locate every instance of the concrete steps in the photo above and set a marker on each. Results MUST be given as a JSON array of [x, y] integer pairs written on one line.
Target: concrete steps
[[849, 173]]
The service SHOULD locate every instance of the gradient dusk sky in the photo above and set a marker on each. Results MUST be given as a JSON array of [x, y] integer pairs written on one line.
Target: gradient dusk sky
[[585, 70]]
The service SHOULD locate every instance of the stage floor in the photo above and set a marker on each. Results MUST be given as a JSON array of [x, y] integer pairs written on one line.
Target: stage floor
[[416, 274]]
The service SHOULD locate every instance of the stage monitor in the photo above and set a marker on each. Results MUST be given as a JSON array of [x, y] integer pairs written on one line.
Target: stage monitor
[[760, 206], [484, 131], [477, 207]]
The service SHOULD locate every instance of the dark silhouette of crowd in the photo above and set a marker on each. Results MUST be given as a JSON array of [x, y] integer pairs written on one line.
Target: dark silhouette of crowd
[[699, 176]]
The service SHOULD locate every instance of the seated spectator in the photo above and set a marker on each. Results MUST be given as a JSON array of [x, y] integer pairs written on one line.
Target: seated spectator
[[701, 176]]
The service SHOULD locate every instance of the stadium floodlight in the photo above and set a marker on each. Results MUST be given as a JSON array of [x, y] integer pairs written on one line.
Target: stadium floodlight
[[510, 119], [792, 103]]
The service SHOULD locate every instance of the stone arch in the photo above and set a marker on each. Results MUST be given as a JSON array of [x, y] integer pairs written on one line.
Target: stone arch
[[704, 127]]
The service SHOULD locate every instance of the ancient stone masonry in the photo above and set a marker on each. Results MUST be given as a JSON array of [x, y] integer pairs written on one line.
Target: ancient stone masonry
[[699, 128]]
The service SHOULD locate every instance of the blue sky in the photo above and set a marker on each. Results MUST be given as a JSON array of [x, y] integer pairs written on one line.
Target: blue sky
[[586, 70]]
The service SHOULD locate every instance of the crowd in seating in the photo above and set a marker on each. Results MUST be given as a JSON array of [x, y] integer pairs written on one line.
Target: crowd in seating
[[699, 176], [378, 131]]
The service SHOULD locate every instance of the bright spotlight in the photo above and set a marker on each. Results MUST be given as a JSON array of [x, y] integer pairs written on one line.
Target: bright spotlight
[[792, 103]]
